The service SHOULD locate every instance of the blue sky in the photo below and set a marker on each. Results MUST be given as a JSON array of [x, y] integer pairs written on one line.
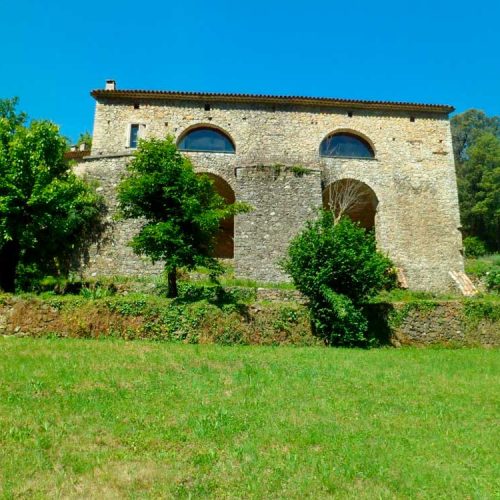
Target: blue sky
[[55, 52]]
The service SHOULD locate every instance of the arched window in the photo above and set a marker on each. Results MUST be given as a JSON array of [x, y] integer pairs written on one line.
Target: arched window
[[345, 145], [206, 140]]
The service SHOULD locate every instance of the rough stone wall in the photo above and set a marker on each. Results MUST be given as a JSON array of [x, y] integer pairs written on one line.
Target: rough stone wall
[[412, 175], [283, 201], [114, 256]]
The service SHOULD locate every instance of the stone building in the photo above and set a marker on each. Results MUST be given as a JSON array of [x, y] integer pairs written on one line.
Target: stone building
[[287, 156]]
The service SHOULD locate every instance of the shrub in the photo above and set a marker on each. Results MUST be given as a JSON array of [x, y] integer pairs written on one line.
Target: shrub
[[338, 268], [493, 280], [474, 247]]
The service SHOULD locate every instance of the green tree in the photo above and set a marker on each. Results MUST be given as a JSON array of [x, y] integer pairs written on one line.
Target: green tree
[[48, 216], [181, 209], [338, 268], [467, 127], [479, 190], [85, 138], [475, 142]]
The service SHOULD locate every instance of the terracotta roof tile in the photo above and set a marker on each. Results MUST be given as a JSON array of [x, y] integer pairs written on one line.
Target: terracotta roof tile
[[76, 155], [272, 99]]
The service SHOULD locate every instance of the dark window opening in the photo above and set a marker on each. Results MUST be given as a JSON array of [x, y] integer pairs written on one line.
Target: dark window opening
[[136, 106], [349, 114], [206, 140], [345, 145], [412, 118], [134, 135], [207, 107]]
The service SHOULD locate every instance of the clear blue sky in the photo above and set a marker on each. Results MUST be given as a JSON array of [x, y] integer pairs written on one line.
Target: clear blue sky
[[55, 52]]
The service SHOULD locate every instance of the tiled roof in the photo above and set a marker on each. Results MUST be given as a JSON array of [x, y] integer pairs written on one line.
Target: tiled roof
[[271, 99], [76, 155]]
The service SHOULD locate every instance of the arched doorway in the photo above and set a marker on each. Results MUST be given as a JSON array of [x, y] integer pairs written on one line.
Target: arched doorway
[[224, 241], [351, 198]]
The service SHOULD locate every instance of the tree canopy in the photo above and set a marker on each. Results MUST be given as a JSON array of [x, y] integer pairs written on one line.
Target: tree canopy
[[337, 267], [181, 209], [85, 138], [48, 216], [466, 127], [476, 141]]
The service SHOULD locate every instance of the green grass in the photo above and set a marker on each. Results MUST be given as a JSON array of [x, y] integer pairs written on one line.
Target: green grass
[[101, 419], [482, 265]]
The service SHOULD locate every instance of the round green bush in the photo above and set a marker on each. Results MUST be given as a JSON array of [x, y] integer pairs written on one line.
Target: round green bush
[[338, 268], [473, 247]]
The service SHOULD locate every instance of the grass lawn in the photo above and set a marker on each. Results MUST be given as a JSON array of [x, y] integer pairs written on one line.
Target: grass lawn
[[101, 419]]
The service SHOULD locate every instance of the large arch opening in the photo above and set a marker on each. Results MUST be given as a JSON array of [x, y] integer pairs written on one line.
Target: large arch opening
[[224, 240], [351, 198]]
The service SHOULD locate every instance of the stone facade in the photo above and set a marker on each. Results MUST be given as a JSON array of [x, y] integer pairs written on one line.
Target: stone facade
[[412, 173]]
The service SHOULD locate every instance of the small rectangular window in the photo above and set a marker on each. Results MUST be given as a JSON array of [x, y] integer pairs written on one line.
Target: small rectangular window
[[134, 135]]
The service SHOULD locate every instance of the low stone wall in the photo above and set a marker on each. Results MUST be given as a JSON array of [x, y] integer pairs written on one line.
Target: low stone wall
[[460, 323], [274, 294], [472, 322]]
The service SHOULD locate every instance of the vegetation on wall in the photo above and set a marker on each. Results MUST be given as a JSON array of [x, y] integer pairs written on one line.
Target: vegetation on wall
[[338, 268], [182, 210], [48, 216]]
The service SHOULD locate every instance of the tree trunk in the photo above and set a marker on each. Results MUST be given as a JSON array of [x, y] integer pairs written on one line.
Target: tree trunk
[[9, 258], [172, 283]]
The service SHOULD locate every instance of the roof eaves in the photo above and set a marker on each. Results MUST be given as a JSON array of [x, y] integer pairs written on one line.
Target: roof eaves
[[272, 99]]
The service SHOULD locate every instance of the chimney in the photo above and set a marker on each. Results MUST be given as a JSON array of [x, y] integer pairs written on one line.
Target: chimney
[[110, 85]]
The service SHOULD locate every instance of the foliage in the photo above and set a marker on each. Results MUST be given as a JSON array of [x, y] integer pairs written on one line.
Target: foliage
[[85, 138], [473, 247], [467, 127], [480, 266], [479, 190], [300, 171], [476, 142], [493, 280], [337, 267], [48, 216], [181, 209]]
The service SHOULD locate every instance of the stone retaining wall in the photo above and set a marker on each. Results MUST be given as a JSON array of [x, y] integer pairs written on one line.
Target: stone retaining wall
[[451, 323]]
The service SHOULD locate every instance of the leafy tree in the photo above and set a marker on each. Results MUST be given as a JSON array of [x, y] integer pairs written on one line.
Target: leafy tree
[[85, 138], [479, 190], [476, 145], [338, 268], [467, 127], [48, 216], [181, 209]]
